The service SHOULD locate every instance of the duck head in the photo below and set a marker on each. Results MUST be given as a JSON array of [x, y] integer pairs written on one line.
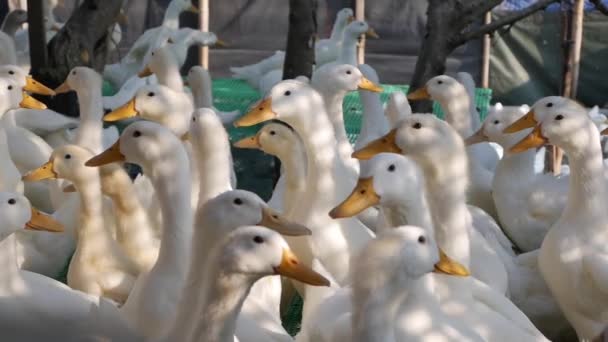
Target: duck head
[[16, 213]]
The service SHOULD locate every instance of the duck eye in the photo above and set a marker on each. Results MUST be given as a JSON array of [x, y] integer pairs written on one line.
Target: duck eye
[[152, 53], [421, 239], [67, 156], [559, 117], [151, 94], [360, 24], [194, 119], [238, 201], [417, 125], [496, 122], [440, 82], [348, 72], [10, 87], [12, 201], [273, 132], [74, 72], [11, 72], [478, 109], [136, 134], [391, 168], [287, 93], [258, 239], [550, 104]]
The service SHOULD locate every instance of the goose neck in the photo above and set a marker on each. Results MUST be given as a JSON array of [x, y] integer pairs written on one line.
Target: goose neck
[[447, 185], [348, 53], [587, 189], [456, 110], [90, 129], [224, 297], [10, 279]]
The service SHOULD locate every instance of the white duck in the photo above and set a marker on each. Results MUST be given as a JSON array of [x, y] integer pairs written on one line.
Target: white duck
[[10, 178], [440, 151], [186, 37], [573, 255], [393, 291], [8, 53], [348, 51], [253, 73], [153, 301], [529, 207], [99, 266], [333, 241], [281, 141], [35, 307], [455, 102], [163, 63], [199, 81], [242, 258], [327, 50], [13, 21], [333, 82]]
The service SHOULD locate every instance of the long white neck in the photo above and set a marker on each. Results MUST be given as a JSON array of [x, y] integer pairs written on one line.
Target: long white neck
[[337, 31], [91, 221], [10, 279], [415, 211], [456, 110], [172, 185], [90, 129], [348, 52], [171, 18], [447, 185], [374, 123], [10, 178], [294, 163], [587, 189], [214, 164], [203, 97], [333, 104], [170, 77], [224, 294]]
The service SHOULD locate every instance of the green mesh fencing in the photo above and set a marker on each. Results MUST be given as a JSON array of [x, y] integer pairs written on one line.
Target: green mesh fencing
[[232, 94]]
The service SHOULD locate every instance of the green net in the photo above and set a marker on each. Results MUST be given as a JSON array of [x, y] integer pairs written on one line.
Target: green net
[[232, 94]]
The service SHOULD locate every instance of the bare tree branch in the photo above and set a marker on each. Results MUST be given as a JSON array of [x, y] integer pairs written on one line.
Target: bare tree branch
[[479, 9], [509, 19], [599, 5]]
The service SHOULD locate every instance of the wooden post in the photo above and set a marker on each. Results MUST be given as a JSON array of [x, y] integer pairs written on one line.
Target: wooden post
[[37, 34], [578, 14], [360, 15], [203, 6], [485, 57]]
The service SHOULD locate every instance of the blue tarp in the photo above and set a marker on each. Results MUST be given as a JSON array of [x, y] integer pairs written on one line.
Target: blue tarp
[[516, 5]]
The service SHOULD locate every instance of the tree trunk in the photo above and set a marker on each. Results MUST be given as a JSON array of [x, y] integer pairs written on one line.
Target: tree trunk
[[435, 49], [300, 52], [81, 42]]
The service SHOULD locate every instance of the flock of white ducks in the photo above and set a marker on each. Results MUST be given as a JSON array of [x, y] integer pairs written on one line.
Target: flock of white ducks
[[424, 231]]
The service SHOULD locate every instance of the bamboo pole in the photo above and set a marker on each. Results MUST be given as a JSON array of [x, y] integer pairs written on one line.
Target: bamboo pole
[[203, 6], [485, 57], [360, 15], [578, 14]]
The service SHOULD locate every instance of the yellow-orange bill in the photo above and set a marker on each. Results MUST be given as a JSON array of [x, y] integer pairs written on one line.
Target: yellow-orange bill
[[111, 155], [291, 267], [362, 197], [261, 113], [384, 144], [43, 222]]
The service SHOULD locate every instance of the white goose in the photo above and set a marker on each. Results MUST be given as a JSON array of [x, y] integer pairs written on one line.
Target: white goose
[[573, 255], [455, 102], [440, 151], [153, 301], [35, 307], [98, 266], [333, 241]]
